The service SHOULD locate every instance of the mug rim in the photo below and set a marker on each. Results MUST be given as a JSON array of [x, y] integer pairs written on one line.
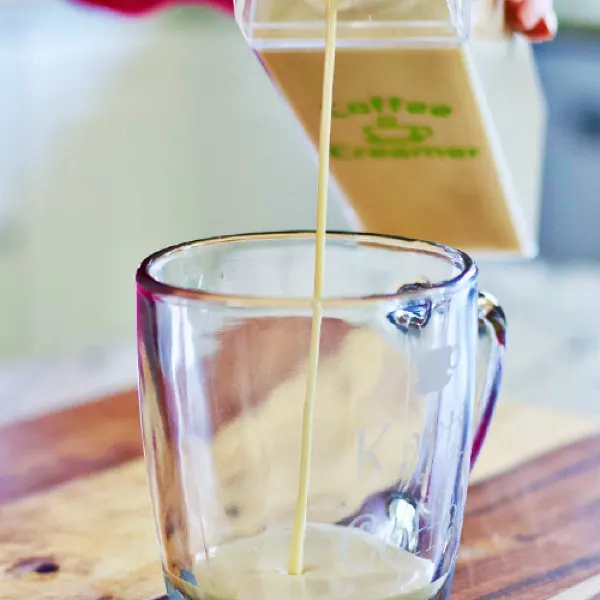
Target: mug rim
[[147, 284]]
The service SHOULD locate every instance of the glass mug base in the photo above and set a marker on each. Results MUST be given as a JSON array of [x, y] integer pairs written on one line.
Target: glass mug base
[[374, 553], [174, 594]]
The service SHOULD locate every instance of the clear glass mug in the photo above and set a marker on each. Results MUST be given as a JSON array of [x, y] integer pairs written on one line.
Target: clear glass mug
[[223, 333]]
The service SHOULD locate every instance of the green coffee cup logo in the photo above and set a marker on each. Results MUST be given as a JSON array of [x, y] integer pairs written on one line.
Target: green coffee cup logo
[[390, 136], [387, 130]]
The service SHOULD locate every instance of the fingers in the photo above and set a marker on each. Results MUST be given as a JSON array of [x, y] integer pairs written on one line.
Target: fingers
[[529, 12], [141, 7], [545, 29], [535, 19]]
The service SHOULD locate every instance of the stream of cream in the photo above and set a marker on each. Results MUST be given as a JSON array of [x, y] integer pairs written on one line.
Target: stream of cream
[[324, 562]]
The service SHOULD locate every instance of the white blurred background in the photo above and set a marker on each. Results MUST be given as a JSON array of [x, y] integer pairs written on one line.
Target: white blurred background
[[119, 136]]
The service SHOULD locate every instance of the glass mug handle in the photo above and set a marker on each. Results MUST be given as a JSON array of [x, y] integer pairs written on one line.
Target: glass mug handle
[[491, 344]]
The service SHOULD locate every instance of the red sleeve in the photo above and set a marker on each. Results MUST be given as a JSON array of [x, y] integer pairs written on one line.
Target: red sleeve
[[139, 7]]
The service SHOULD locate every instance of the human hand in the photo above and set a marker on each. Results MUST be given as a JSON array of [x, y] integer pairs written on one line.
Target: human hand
[[535, 19]]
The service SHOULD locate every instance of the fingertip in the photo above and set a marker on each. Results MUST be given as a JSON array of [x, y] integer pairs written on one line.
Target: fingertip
[[544, 30], [551, 20]]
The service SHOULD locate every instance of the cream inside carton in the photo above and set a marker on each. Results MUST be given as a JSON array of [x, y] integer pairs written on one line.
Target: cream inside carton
[[436, 134]]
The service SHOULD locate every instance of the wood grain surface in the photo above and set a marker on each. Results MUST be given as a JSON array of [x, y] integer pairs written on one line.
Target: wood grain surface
[[55, 448], [76, 523]]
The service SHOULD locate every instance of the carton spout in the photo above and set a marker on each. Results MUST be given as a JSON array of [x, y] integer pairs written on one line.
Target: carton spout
[[294, 24]]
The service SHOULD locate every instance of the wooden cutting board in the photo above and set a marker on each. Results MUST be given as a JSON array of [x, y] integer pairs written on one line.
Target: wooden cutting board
[[75, 519]]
